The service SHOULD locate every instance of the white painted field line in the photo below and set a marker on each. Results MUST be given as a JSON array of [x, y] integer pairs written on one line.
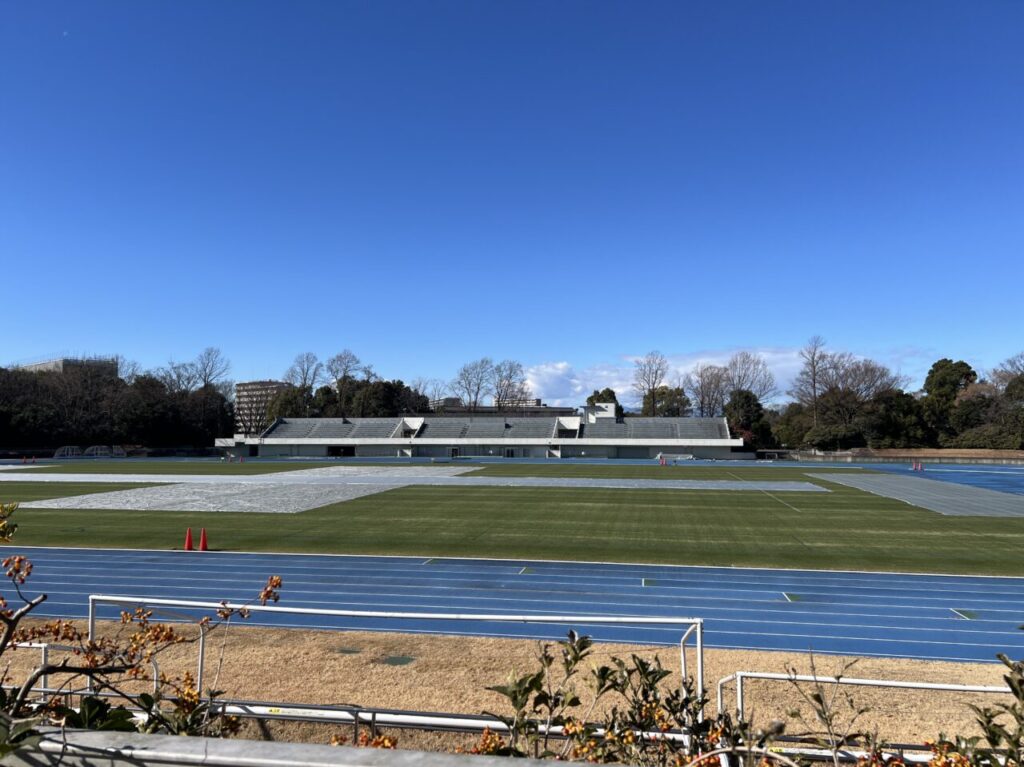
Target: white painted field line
[[962, 615], [786, 596], [784, 503]]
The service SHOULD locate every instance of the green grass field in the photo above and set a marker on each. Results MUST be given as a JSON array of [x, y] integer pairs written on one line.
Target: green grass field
[[845, 529], [23, 492], [173, 467], [651, 471]]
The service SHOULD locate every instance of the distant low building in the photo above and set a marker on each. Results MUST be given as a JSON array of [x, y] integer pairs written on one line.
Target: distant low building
[[99, 365], [252, 405], [454, 406]]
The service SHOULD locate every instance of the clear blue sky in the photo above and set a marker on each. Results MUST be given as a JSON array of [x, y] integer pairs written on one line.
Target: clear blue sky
[[564, 183]]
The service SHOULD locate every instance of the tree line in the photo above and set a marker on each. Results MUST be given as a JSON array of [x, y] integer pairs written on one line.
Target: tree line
[[841, 401], [345, 386], [183, 404], [837, 400]]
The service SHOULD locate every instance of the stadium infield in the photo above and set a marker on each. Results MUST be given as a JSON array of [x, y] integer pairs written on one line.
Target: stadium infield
[[845, 528], [157, 466]]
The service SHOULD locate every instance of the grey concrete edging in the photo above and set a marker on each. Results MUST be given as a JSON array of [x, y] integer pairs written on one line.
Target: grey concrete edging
[[86, 748]]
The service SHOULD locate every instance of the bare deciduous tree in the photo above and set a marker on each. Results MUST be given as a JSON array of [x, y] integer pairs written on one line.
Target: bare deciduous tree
[[808, 385], [342, 369], [343, 366], [473, 382], [1008, 370], [864, 378], [211, 367], [436, 388], [178, 377], [305, 372], [509, 384], [750, 372], [649, 372], [707, 386], [127, 370]]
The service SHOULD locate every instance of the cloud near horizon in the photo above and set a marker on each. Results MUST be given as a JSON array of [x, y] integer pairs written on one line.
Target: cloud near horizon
[[560, 383]]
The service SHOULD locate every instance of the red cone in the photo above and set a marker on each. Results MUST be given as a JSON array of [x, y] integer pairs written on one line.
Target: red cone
[[202, 540], [188, 539]]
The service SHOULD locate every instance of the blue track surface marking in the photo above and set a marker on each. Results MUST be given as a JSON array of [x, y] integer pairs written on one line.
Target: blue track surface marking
[[1003, 479], [900, 615]]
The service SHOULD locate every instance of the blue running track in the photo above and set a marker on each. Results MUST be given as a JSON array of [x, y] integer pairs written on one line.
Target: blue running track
[[1003, 479], [966, 618]]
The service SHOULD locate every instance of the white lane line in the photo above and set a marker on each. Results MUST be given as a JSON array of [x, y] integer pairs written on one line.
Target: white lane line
[[678, 592], [675, 632], [105, 552], [961, 615], [786, 596], [790, 619], [215, 566]]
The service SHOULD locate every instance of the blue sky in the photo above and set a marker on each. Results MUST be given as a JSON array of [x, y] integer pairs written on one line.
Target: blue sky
[[570, 184]]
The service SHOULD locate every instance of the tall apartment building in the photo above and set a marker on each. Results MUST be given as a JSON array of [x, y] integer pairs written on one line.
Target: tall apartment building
[[252, 405]]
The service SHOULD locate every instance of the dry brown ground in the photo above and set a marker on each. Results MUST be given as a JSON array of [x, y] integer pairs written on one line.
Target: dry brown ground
[[940, 453], [450, 674]]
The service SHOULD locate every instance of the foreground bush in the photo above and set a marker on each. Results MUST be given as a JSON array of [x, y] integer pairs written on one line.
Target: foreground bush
[[651, 724], [107, 666]]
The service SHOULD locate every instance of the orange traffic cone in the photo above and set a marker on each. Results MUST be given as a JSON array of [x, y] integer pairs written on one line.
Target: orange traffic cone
[[202, 540], [188, 539]]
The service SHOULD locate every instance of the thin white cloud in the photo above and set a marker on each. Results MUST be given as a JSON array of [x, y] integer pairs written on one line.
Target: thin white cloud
[[561, 383]]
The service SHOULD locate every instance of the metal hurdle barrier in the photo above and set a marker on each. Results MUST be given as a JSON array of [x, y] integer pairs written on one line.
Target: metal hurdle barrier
[[695, 626], [740, 676]]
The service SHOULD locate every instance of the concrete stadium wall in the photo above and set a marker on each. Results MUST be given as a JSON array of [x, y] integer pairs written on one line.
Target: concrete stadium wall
[[84, 748], [640, 452], [292, 451]]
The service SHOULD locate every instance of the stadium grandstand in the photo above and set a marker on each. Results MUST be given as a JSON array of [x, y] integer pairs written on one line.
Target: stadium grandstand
[[595, 434]]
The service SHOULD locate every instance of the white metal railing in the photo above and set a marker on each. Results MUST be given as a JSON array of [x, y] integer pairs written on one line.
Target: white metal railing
[[695, 626], [44, 660], [740, 676]]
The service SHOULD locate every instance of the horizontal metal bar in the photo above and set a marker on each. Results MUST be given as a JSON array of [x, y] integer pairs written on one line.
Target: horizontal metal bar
[[869, 682], [498, 618]]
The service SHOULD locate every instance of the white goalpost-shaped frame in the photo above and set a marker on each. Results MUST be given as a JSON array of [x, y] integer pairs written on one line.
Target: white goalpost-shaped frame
[[694, 626], [740, 676]]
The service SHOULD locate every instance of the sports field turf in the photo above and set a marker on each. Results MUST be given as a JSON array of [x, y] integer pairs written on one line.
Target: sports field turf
[[844, 529], [649, 471], [173, 467], [23, 492]]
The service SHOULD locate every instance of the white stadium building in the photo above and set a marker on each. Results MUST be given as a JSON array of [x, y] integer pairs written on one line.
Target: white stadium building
[[595, 434]]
